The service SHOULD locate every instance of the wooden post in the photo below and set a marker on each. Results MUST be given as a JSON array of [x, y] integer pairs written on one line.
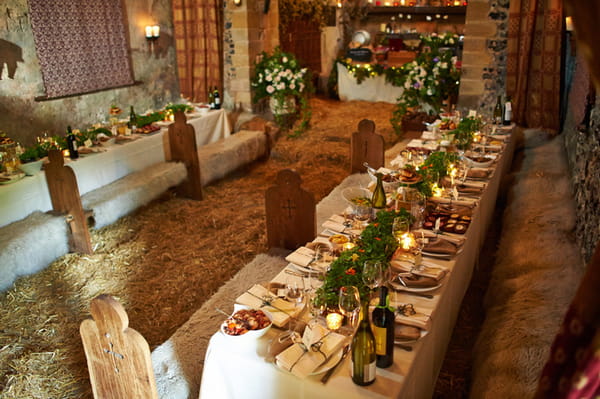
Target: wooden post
[[291, 212], [182, 142], [366, 146], [64, 193]]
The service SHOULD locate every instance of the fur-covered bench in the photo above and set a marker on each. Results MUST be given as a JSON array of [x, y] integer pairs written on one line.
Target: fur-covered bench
[[27, 246]]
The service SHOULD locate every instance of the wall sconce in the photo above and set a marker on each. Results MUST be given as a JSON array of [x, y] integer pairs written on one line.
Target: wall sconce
[[152, 32], [237, 2], [569, 24]]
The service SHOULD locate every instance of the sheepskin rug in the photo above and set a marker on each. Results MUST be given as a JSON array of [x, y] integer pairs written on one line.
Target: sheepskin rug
[[29, 245], [536, 274], [117, 199]]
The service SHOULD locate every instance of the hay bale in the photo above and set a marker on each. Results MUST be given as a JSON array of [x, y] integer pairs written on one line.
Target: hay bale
[[29, 245]]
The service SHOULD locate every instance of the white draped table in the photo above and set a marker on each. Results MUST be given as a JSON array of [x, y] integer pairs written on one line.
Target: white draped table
[[19, 199], [240, 370], [372, 89]]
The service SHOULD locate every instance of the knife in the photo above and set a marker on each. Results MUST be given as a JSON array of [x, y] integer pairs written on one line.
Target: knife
[[329, 372]]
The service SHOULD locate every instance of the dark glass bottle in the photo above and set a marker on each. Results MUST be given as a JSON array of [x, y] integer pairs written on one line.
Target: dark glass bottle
[[498, 111], [72, 144], [211, 99], [363, 352], [383, 330], [132, 120], [378, 200], [217, 97]]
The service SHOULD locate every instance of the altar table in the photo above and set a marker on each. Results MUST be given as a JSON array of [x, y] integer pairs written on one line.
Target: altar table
[[372, 89], [19, 199], [239, 369]]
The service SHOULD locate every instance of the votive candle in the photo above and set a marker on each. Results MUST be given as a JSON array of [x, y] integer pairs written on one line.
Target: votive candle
[[334, 321]]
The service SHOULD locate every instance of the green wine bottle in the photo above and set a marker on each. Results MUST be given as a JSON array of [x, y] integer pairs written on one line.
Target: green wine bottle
[[383, 329], [132, 120], [378, 200], [498, 111], [72, 144], [363, 352]]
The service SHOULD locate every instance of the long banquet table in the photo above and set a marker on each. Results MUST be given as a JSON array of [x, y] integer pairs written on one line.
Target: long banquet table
[[240, 369], [21, 198]]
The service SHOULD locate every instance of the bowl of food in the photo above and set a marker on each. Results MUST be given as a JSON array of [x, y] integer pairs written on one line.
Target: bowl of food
[[248, 323], [390, 179], [478, 160], [357, 196]]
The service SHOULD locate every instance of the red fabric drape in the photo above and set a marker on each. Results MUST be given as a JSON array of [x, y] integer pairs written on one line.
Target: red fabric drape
[[198, 26], [533, 72]]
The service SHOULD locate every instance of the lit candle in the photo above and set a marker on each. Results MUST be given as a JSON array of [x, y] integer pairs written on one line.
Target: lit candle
[[148, 32], [402, 2], [407, 241], [348, 245], [334, 321], [155, 31], [569, 24], [66, 153], [437, 190]]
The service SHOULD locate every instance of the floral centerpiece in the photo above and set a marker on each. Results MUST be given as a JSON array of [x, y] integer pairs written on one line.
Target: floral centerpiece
[[376, 243], [429, 80], [280, 78]]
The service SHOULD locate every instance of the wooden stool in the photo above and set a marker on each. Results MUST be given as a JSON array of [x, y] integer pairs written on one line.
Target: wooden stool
[[118, 357], [366, 146], [290, 211], [64, 193]]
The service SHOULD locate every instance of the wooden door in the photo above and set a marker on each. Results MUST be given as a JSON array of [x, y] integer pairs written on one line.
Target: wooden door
[[302, 37]]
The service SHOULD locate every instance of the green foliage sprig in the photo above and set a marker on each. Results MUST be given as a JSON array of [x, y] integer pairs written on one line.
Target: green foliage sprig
[[314, 10], [179, 108], [434, 168], [464, 132], [376, 243]]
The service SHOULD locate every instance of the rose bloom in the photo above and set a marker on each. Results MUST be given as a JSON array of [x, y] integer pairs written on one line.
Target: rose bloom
[[270, 89]]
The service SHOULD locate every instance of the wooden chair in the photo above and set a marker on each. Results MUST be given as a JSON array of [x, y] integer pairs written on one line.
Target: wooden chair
[[118, 357], [64, 193], [291, 212], [366, 146], [182, 144]]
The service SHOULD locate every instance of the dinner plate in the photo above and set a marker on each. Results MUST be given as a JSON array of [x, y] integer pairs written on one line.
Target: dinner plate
[[11, 178], [332, 361], [399, 287]]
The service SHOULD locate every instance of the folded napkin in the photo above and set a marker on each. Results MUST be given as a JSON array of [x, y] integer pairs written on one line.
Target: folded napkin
[[281, 310], [478, 173], [334, 226], [432, 236], [465, 189], [428, 275], [318, 345], [410, 317], [440, 246], [403, 332], [303, 256], [464, 202]]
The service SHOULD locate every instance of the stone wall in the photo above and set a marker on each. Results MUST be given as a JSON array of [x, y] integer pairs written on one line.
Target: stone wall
[[484, 55], [23, 118], [250, 28]]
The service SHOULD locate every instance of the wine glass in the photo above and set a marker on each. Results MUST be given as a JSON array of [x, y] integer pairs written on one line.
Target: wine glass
[[295, 290], [349, 303], [400, 227], [372, 274]]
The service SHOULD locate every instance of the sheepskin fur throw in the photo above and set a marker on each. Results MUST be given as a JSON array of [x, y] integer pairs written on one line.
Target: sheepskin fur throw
[[30, 245], [117, 199], [537, 271]]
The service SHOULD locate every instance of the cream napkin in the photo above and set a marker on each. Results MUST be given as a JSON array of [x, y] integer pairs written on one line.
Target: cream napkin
[[420, 320], [302, 256], [430, 234], [427, 269], [281, 310], [334, 226], [469, 203], [318, 345]]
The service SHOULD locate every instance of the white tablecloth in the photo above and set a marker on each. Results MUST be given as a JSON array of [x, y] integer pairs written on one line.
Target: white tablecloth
[[371, 89], [241, 371], [19, 199]]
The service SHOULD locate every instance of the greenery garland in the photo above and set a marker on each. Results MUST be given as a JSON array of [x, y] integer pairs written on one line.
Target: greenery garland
[[376, 243], [314, 10]]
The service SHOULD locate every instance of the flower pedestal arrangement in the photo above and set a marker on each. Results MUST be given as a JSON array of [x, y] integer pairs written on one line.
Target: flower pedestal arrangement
[[280, 78]]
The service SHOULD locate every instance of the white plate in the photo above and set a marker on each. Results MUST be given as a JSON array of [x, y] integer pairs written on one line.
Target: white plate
[[332, 361]]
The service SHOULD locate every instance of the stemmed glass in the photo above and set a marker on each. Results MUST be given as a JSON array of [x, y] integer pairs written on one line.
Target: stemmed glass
[[372, 274], [400, 227], [349, 303], [295, 290]]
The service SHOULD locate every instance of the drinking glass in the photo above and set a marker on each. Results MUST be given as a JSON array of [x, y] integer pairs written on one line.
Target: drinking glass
[[400, 227], [372, 274], [295, 290], [349, 303]]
